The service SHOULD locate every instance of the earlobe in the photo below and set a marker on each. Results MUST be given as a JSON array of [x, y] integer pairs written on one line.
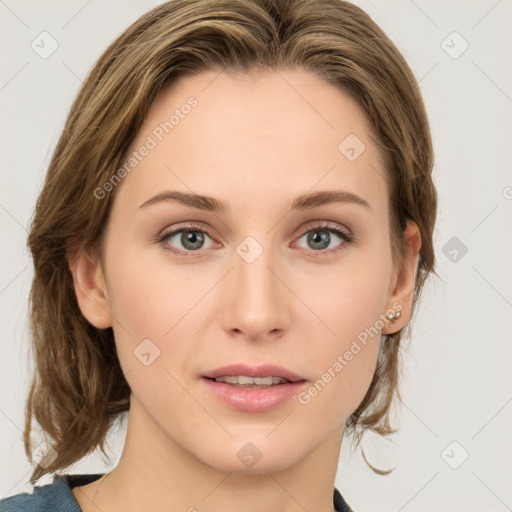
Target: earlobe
[[403, 292], [90, 289]]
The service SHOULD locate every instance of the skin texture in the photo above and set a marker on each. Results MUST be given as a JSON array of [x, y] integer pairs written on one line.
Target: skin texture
[[254, 143]]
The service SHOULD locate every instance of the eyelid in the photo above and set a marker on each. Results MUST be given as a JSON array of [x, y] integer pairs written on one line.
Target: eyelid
[[185, 226], [324, 224]]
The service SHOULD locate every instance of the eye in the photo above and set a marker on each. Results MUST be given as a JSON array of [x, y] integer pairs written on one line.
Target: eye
[[191, 238], [321, 238]]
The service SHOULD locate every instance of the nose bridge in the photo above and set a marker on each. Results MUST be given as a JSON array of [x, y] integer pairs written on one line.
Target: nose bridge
[[257, 302]]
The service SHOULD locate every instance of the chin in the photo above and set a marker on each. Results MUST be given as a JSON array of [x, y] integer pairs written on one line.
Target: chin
[[253, 455]]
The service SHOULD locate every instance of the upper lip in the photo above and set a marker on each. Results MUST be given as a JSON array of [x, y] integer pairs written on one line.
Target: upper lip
[[263, 370]]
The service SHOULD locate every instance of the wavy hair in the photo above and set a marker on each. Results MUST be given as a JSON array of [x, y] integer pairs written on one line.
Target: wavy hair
[[78, 388]]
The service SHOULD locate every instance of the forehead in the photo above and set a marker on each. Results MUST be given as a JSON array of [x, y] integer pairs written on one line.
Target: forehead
[[248, 136]]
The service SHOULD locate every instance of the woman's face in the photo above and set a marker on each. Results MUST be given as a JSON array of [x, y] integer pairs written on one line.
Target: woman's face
[[260, 277]]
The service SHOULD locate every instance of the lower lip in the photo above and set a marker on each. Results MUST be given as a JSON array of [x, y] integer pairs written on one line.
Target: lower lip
[[254, 399]]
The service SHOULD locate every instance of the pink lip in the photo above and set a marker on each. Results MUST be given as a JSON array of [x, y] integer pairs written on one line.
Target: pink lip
[[254, 399], [263, 370]]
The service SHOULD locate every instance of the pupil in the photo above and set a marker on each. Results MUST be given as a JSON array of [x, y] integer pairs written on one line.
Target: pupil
[[193, 238], [323, 239]]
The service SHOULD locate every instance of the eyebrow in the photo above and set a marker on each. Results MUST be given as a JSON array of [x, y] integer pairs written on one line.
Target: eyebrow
[[302, 202]]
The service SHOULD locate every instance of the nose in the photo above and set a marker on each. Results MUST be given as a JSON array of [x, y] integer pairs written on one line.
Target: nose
[[257, 299]]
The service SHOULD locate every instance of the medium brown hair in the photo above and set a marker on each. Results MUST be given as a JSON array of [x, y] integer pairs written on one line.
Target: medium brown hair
[[78, 387]]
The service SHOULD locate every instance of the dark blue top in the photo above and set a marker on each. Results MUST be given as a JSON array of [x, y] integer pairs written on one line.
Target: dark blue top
[[57, 496]]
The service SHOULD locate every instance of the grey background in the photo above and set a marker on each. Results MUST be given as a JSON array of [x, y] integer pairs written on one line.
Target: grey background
[[457, 381]]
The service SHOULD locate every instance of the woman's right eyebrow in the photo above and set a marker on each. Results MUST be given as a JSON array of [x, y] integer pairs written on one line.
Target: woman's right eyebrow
[[302, 202], [197, 201]]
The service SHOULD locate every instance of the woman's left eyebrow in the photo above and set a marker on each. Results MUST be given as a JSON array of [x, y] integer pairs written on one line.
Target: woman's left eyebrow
[[316, 199], [302, 202]]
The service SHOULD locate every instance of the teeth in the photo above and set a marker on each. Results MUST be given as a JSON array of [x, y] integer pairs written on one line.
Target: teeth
[[243, 380]]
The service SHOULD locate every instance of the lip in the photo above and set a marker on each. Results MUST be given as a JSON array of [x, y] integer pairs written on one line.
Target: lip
[[263, 370], [254, 399]]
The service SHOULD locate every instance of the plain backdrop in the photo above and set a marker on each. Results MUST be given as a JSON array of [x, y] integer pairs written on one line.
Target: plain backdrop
[[454, 450]]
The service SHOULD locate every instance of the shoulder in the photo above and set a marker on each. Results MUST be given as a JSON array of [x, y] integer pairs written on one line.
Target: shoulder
[[339, 503], [56, 496]]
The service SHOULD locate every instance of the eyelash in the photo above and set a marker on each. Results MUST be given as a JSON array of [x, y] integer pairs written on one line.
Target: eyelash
[[346, 236]]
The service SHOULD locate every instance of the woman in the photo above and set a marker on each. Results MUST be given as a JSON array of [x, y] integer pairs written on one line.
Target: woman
[[234, 231]]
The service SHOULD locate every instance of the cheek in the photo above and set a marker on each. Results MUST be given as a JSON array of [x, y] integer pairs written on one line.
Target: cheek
[[153, 299], [344, 359], [148, 296], [150, 318], [349, 298], [345, 354]]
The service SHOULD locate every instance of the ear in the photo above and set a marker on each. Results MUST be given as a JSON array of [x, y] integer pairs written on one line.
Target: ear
[[90, 288], [404, 280]]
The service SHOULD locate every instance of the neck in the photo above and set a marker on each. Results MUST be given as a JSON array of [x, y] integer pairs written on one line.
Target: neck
[[155, 473]]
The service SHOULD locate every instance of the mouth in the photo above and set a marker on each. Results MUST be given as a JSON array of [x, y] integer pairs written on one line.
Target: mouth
[[253, 389], [243, 381], [246, 375]]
